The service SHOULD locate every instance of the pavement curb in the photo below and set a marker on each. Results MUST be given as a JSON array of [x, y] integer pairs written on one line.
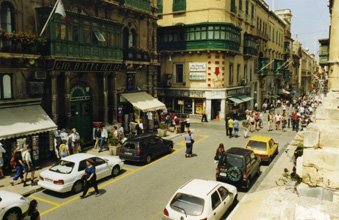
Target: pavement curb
[[26, 194]]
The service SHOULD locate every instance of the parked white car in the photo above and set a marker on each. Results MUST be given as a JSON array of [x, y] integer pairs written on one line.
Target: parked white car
[[66, 175], [200, 199], [12, 205]]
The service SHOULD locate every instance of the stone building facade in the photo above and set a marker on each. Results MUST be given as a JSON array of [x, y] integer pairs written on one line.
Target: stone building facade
[[79, 69]]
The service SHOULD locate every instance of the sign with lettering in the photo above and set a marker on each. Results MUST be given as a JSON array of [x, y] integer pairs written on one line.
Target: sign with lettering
[[79, 66], [197, 67], [197, 76], [185, 93]]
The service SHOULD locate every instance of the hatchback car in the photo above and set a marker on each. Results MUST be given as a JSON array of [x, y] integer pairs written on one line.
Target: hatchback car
[[200, 199], [66, 174], [145, 148], [264, 147], [238, 166], [12, 205]]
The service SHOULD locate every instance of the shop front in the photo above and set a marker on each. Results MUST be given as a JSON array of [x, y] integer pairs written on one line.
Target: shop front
[[238, 101], [139, 106], [26, 126]]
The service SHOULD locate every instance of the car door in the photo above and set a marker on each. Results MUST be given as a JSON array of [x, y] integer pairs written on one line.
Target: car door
[[217, 206], [273, 146], [153, 147], [255, 163], [163, 148], [226, 198], [101, 167]]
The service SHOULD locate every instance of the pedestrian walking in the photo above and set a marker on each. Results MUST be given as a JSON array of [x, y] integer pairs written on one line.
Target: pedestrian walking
[[270, 121], [103, 138], [236, 127], [187, 122], [28, 165], [245, 125], [283, 121], [97, 136], [252, 122], [74, 139], [220, 151], [204, 115], [230, 127], [277, 119], [264, 106], [189, 143], [2, 151], [121, 133], [226, 124], [90, 178], [18, 164], [33, 212]]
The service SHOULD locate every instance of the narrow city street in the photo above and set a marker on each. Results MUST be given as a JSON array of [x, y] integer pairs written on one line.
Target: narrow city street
[[142, 191]]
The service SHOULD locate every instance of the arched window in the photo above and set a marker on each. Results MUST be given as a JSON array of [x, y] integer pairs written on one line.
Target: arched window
[[6, 86], [7, 17]]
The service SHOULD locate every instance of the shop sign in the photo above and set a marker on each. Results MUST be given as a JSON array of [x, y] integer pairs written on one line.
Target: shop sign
[[197, 76], [197, 67], [180, 102], [185, 93], [75, 66]]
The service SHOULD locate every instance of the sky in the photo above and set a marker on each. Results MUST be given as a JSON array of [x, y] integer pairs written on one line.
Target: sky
[[310, 20]]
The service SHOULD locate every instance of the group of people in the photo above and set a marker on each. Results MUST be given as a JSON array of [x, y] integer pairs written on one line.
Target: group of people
[[66, 143], [232, 126], [23, 164]]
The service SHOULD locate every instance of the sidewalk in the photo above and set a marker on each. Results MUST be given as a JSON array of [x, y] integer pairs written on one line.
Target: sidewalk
[[28, 190]]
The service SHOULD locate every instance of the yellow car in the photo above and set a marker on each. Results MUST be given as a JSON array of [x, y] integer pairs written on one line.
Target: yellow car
[[264, 147]]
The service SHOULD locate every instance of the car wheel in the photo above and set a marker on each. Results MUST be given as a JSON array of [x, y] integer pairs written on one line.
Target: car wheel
[[77, 187], [115, 171], [13, 214], [170, 149], [148, 159]]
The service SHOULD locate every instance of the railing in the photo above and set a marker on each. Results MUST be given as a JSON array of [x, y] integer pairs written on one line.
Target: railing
[[132, 54], [144, 5]]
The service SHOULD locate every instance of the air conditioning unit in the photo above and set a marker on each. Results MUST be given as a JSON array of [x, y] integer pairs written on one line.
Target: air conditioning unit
[[39, 75], [36, 88]]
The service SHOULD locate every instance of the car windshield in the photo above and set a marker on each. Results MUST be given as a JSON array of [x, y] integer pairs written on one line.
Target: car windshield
[[63, 166], [233, 161], [258, 145], [130, 145], [187, 204]]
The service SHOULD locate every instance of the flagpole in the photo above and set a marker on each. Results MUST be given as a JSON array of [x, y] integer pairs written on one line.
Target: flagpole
[[49, 17]]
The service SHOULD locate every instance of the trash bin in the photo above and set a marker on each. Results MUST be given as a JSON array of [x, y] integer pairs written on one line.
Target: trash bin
[[182, 127]]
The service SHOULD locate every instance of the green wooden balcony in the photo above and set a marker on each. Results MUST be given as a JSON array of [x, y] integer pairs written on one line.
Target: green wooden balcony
[[250, 45], [323, 59], [202, 36], [278, 67], [144, 5], [263, 66], [82, 36]]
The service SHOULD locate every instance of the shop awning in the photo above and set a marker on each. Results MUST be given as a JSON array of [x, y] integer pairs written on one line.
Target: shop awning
[[245, 98], [144, 101], [236, 100], [24, 120]]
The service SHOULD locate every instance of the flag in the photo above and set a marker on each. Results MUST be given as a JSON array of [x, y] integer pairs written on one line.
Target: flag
[[60, 9]]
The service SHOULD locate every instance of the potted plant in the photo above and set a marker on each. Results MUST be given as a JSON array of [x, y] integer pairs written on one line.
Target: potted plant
[[162, 130], [114, 144]]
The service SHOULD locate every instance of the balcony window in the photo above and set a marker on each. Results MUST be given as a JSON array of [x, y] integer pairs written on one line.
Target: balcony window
[[130, 81], [179, 73], [159, 6], [6, 90], [233, 6], [179, 5], [7, 17]]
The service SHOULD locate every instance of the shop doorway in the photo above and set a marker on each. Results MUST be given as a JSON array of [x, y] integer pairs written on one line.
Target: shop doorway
[[215, 109], [81, 112]]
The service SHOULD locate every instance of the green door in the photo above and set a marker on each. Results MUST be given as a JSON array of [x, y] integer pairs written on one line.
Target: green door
[[81, 112]]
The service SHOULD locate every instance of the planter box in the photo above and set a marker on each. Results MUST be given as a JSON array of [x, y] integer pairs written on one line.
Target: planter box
[[114, 150], [162, 132]]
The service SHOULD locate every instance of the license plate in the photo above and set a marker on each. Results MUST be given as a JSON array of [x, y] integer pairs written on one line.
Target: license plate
[[223, 174], [48, 180], [129, 154]]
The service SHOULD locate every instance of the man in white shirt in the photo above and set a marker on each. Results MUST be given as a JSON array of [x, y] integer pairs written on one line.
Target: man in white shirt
[[103, 139], [28, 165], [277, 118]]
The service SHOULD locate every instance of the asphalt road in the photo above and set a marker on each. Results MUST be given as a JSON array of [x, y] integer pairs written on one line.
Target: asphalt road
[[142, 191]]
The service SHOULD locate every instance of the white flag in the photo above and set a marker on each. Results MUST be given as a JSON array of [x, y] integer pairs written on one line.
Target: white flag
[[60, 9]]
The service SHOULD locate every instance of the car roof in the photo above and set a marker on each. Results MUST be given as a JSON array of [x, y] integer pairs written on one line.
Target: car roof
[[260, 138], [238, 150], [78, 157], [198, 187], [140, 137]]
